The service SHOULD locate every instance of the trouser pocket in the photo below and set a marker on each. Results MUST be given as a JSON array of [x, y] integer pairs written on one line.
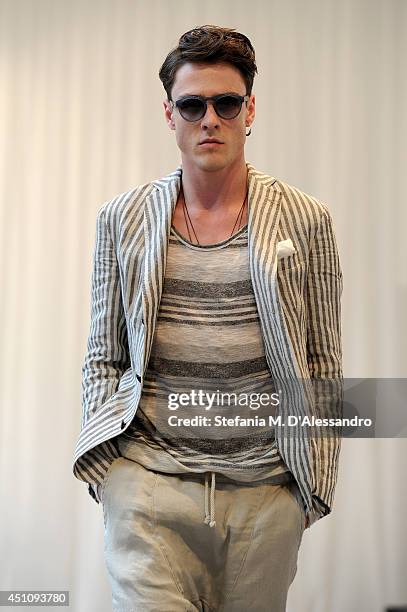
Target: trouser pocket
[[294, 491], [105, 485]]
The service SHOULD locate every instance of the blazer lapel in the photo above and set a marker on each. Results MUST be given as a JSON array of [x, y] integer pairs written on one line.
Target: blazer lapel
[[265, 199], [158, 210]]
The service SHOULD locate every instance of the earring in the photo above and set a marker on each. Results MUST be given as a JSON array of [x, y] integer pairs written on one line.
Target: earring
[[249, 132]]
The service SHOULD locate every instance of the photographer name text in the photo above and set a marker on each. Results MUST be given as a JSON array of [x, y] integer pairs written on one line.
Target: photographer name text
[[271, 421]]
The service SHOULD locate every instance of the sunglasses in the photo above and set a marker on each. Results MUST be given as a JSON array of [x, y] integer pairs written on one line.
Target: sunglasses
[[193, 108]]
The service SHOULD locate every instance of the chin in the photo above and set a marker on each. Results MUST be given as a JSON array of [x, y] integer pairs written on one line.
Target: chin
[[212, 165]]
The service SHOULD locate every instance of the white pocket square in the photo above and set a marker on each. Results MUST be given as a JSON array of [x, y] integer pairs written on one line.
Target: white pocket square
[[285, 248]]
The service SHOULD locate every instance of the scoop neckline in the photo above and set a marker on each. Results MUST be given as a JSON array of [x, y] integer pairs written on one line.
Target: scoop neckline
[[208, 247]]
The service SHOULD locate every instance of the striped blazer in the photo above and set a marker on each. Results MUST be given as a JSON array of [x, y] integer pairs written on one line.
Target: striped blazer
[[298, 301]]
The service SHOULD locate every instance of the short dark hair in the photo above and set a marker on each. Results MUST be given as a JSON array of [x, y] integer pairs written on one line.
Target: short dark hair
[[210, 44]]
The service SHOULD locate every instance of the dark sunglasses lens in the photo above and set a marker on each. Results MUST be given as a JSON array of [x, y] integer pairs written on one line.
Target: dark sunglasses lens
[[228, 107], [191, 109]]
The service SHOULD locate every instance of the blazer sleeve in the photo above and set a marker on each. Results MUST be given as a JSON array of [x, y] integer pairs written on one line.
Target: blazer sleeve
[[107, 355], [324, 356]]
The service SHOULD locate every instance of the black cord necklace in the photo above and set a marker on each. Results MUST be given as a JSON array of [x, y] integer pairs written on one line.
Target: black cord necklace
[[188, 219]]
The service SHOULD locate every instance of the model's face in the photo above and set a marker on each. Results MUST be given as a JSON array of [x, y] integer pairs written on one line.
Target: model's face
[[210, 80]]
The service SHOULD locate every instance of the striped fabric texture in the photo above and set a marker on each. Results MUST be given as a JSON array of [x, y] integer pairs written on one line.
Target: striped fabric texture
[[207, 314], [298, 303]]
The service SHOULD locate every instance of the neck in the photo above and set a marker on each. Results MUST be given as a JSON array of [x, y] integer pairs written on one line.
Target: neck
[[205, 190]]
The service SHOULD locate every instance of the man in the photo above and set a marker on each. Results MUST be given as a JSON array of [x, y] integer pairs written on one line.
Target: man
[[217, 280]]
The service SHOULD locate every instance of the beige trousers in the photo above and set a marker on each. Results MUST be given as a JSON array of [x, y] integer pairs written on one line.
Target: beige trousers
[[162, 555]]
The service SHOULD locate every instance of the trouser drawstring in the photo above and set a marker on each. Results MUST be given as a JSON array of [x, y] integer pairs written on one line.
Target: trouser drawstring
[[210, 514]]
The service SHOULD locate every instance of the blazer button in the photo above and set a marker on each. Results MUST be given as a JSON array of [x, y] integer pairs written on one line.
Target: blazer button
[[138, 378], [123, 425]]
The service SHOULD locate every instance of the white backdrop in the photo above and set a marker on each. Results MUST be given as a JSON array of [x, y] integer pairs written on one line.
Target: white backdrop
[[81, 121]]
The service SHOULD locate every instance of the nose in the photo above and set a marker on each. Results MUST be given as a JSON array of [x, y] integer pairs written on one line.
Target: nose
[[210, 119]]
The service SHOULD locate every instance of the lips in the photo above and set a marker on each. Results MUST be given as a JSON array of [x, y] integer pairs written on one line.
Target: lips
[[211, 141]]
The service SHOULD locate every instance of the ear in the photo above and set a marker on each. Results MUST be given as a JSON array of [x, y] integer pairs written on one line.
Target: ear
[[168, 113], [251, 110]]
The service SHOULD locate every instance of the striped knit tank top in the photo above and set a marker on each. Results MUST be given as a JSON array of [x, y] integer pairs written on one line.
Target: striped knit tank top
[[199, 409]]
